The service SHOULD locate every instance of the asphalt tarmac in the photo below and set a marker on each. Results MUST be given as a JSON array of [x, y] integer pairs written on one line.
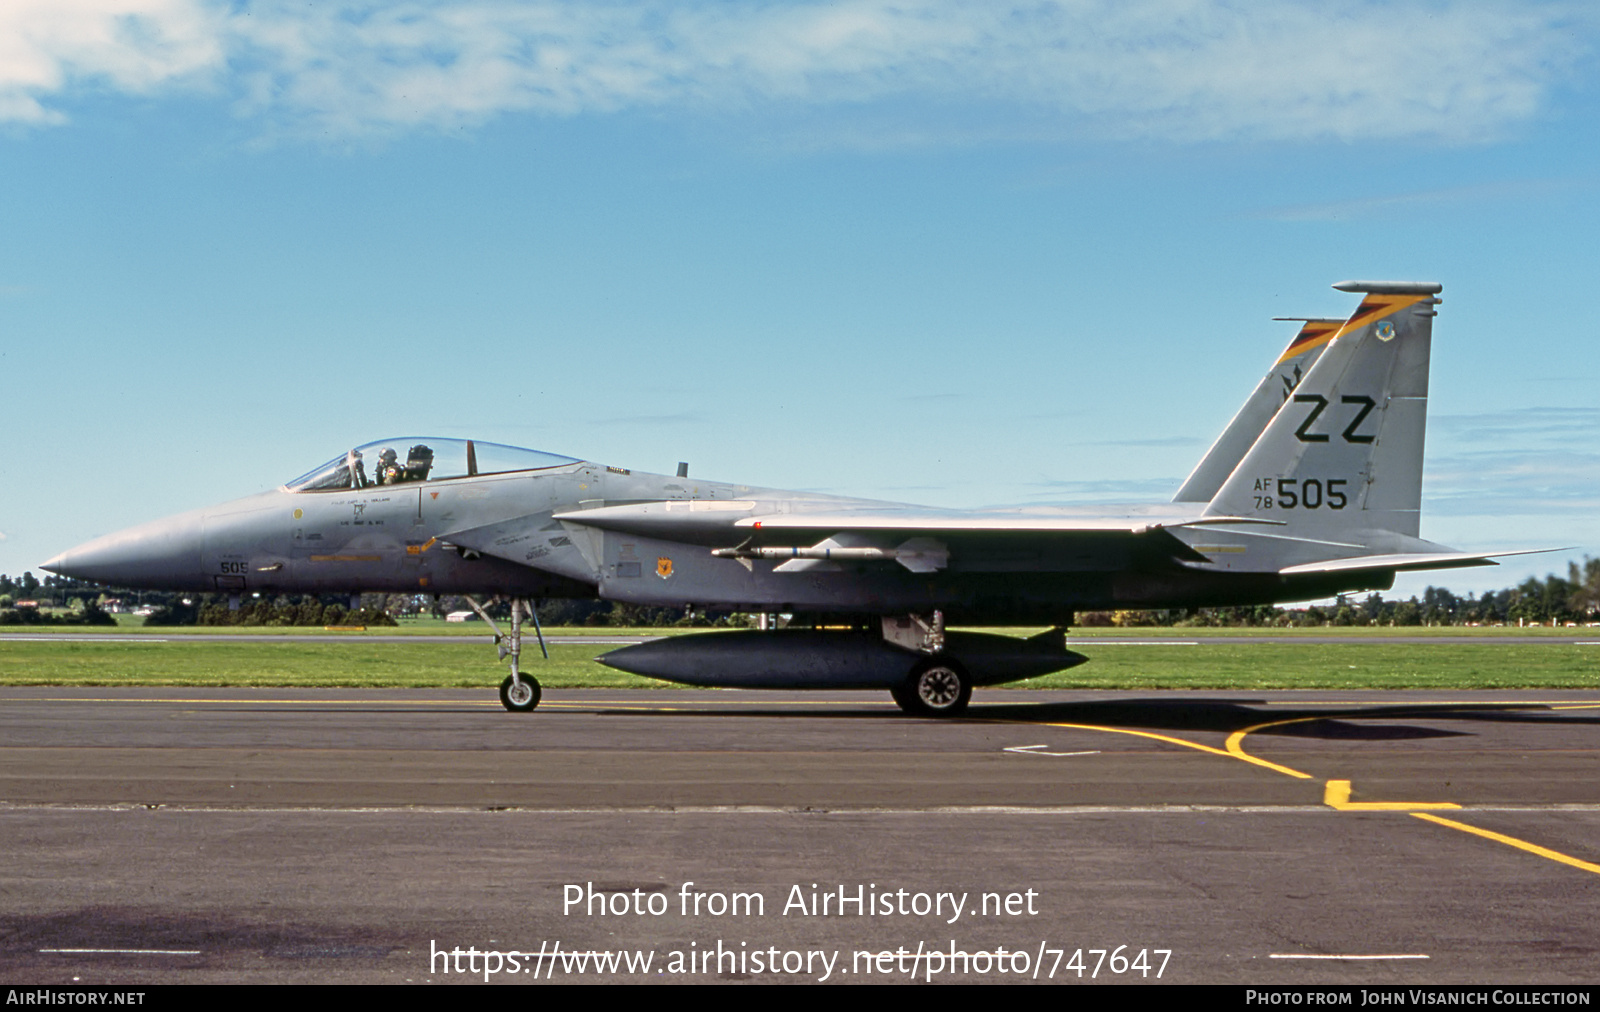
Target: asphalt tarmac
[[191, 835]]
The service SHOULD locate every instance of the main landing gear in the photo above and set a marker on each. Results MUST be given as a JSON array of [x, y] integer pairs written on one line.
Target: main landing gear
[[519, 693], [937, 686]]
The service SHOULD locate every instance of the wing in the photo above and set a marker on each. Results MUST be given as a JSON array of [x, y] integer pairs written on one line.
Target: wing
[[918, 538], [700, 520]]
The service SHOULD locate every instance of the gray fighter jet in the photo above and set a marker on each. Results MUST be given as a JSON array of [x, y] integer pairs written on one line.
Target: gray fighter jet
[[1313, 490]]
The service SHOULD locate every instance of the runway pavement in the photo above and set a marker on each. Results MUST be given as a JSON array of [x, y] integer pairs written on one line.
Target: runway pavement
[[1229, 837]]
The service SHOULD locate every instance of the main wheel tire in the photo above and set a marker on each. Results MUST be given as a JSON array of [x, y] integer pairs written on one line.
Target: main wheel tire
[[903, 698], [520, 696], [936, 688]]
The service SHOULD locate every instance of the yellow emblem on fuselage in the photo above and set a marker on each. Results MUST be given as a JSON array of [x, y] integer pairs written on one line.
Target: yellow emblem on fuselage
[[663, 567]]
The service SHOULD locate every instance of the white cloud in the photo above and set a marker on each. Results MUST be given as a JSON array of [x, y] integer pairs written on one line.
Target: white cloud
[[1556, 425], [1526, 461], [1172, 69], [1500, 484], [127, 45]]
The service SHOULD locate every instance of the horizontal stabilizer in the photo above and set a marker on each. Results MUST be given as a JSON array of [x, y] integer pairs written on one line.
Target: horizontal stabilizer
[[1409, 563]]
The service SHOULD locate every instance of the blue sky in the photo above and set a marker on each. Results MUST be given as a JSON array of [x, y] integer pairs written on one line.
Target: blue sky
[[935, 252]]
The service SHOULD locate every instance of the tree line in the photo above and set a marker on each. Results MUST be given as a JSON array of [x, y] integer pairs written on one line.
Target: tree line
[[1556, 600]]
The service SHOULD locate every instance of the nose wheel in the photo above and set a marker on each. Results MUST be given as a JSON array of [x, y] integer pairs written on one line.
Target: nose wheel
[[519, 694]]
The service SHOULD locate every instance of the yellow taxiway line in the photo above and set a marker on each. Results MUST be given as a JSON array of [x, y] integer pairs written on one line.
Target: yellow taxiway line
[[1175, 741], [1235, 746], [1337, 795], [1511, 841]]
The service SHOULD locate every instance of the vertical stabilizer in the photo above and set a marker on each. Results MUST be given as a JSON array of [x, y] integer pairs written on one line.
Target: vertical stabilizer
[[1342, 459], [1258, 410]]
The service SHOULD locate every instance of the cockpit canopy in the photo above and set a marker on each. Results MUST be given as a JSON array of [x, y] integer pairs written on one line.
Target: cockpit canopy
[[420, 458]]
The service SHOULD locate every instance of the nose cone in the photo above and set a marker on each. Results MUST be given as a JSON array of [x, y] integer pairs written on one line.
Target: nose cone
[[162, 555]]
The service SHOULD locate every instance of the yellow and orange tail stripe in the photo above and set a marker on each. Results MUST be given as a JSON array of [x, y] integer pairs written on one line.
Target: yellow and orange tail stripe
[[1373, 308], [1313, 334]]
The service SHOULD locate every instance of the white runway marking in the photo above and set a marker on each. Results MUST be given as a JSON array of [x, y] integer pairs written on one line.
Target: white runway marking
[[122, 952], [1133, 643], [1302, 955], [57, 638], [1039, 750]]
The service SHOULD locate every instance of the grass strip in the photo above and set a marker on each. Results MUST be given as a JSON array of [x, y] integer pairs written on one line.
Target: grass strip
[[355, 663]]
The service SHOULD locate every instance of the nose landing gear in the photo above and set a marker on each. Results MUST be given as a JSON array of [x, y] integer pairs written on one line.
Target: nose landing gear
[[520, 692]]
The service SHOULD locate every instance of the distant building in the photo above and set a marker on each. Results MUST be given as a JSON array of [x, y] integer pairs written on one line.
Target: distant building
[[460, 616]]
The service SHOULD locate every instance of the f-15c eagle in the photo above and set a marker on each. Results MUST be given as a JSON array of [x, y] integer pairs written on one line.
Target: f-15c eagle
[[1314, 489]]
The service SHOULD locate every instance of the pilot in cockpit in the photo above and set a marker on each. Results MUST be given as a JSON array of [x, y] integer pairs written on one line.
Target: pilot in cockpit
[[388, 471]]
